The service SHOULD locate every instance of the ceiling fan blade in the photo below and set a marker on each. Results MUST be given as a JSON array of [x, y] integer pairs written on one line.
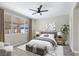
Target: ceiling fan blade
[[44, 11], [33, 13], [40, 7], [33, 10]]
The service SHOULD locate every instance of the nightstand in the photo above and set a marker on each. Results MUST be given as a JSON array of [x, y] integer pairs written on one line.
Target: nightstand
[[60, 40]]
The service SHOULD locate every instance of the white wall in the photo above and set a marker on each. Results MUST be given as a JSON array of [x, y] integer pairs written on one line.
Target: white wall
[[58, 20], [74, 29], [33, 27], [71, 29]]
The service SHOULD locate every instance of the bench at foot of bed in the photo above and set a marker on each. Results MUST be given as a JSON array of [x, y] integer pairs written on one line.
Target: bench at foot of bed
[[40, 51], [29, 48]]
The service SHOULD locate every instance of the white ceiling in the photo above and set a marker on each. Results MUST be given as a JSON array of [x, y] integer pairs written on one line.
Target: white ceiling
[[54, 8]]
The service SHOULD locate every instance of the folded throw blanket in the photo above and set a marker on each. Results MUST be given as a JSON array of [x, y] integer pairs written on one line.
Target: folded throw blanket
[[47, 39]]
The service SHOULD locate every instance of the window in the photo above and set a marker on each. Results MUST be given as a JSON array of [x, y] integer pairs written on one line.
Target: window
[[15, 25], [24, 27]]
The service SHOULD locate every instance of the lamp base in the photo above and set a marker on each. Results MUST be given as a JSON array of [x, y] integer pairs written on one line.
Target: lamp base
[[37, 35]]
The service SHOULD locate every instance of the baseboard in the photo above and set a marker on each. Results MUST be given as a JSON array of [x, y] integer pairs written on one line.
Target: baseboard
[[75, 52]]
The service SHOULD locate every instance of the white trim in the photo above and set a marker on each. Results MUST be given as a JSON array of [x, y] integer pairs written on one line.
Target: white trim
[[74, 6], [71, 44], [75, 52]]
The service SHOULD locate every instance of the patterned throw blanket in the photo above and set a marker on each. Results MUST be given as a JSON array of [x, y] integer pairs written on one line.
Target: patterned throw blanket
[[47, 39]]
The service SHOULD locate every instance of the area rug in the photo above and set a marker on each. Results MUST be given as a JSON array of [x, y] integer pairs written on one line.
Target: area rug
[[58, 52]]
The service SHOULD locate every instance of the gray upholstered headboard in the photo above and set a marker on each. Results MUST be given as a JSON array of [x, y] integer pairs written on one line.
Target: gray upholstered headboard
[[50, 33]]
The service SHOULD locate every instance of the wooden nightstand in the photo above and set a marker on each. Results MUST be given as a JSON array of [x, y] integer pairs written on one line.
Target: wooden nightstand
[[59, 40]]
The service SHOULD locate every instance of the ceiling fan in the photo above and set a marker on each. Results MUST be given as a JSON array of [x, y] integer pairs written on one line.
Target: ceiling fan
[[38, 10]]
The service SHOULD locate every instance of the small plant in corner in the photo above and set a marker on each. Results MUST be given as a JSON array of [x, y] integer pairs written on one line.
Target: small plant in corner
[[65, 30]]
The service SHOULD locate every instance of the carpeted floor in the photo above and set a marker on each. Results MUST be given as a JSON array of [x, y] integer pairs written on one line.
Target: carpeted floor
[[20, 52], [66, 51], [57, 52]]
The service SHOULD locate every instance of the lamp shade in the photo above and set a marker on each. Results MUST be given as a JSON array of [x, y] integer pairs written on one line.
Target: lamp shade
[[59, 33], [1, 44], [37, 33]]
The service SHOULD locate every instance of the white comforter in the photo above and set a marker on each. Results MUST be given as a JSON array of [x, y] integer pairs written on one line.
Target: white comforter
[[42, 44]]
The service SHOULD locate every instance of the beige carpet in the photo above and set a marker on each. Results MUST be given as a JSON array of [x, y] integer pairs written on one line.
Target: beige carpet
[[20, 52], [58, 52], [61, 50]]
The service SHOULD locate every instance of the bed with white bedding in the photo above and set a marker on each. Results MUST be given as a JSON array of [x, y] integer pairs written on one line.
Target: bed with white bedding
[[43, 44]]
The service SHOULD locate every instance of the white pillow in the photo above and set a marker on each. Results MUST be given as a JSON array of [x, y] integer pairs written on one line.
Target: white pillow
[[42, 35], [51, 36]]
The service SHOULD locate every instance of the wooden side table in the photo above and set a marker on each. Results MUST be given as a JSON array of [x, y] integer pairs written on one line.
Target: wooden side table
[[59, 40]]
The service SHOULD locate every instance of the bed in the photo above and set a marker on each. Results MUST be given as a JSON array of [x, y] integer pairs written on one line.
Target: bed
[[43, 44]]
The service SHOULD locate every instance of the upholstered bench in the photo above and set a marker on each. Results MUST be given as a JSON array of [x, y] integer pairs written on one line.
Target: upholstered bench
[[29, 48], [36, 50], [41, 51]]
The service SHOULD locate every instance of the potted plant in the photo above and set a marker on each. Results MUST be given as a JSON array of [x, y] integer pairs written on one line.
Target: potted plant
[[65, 30]]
